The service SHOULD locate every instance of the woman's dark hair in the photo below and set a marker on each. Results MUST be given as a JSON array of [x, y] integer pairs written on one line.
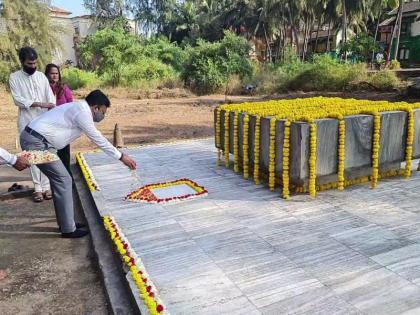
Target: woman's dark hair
[[27, 53], [59, 88], [97, 98]]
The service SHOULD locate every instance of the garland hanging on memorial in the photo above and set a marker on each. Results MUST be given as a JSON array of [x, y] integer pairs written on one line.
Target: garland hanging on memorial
[[310, 110], [227, 145], [286, 160], [257, 151], [245, 147], [341, 152], [147, 290], [217, 135], [272, 156], [235, 143]]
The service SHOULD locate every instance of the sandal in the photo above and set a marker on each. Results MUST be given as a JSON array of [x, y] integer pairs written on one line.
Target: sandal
[[48, 195], [14, 187], [38, 197]]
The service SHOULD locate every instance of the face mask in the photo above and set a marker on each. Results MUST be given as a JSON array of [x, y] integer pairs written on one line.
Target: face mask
[[98, 116], [29, 70]]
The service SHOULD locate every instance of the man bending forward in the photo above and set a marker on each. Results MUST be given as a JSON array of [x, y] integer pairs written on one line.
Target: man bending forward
[[56, 129]]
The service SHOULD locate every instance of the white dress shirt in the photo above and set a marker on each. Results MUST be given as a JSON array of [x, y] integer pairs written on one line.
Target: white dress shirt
[[7, 158], [27, 89], [64, 124]]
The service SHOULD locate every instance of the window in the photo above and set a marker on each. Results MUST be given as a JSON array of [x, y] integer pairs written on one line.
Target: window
[[77, 30], [404, 28], [404, 54]]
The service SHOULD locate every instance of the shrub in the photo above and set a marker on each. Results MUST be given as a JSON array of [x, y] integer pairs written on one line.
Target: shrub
[[76, 78], [210, 65], [4, 72], [327, 74], [385, 80], [395, 65], [147, 71], [167, 52]]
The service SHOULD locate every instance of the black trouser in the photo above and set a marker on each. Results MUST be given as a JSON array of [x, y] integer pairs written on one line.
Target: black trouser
[[64, 155]]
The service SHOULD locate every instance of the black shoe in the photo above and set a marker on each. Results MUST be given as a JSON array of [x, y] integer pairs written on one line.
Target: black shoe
[[76, 234], [78, 226]]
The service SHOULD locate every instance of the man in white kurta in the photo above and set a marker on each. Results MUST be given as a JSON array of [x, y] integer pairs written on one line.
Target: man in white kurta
[[33, 96]]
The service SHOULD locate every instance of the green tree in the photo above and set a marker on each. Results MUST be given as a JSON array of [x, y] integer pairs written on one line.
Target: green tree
[[28, 24], [109, 50], [105, 11]]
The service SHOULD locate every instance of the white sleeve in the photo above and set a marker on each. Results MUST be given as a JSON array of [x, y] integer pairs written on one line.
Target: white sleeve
[[19, 100], [85, 122], [7, 158]]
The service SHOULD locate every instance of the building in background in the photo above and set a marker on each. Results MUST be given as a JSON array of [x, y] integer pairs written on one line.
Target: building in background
[[75, 30], [409, 47]]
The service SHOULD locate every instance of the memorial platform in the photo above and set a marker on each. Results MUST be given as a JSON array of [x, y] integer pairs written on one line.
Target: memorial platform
[[242, 249]]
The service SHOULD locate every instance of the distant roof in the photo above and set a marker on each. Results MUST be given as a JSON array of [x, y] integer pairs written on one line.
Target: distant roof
[[84, 16], [59, 10], [388, 21], [408, 7]]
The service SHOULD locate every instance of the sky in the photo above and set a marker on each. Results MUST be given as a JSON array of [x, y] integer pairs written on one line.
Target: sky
[[74, 6]]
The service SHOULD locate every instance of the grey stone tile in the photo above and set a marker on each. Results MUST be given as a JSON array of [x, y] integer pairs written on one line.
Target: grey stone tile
[[319, 301], [380, 292], [371, 240], [403, 261]]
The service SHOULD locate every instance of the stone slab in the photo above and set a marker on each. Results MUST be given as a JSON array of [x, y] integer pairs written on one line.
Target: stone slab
[[359, 130], [244, 250]]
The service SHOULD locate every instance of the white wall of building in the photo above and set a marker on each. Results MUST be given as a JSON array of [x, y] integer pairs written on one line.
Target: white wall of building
[[415, 27], [66, 52]]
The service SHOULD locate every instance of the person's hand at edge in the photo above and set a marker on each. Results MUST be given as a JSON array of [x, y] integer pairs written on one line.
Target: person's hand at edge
[[21, 163], [128, 161]]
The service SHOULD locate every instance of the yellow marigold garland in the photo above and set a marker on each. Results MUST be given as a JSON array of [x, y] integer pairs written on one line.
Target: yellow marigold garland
[[147, 290], [409, 144], [311, 109], [257, 151], [272, 155], [87, 173], [341, 152], [227, 148], [286, 160], [376, 148], [217, 135], [312, 161], [245, 147], [235, 143]]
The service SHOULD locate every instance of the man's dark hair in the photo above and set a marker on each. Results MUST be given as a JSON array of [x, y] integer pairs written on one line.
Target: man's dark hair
[[97, 98], [27, 53]]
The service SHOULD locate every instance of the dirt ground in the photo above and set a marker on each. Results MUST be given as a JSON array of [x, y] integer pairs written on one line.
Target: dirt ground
[[41, 273], [167, 115]]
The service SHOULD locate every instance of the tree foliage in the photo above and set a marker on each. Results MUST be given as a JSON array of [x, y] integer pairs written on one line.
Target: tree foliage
[[28, 24]]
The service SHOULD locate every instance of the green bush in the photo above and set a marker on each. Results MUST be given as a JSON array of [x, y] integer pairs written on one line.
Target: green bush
[[210, 65], [327, 74], [167, 52], [76, 78], [147, 72], [4, 72], [395, 65], [385, 80]]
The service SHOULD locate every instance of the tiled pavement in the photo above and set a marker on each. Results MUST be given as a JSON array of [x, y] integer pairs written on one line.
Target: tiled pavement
[[244, 250]]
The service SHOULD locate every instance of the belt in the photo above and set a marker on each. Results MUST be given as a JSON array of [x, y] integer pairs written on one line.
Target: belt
[[35, 134]]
